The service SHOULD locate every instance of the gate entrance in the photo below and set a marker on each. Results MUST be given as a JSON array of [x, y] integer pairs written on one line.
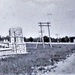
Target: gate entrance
[[17, 40]]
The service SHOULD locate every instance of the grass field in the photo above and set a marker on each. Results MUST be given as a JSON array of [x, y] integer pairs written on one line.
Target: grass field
[[24, 64]]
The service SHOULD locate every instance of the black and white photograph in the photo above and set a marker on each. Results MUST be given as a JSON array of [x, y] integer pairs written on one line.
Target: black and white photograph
[[37, 37]]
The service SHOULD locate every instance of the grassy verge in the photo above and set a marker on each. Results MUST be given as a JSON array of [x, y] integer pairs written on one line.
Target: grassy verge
[[22, 64]]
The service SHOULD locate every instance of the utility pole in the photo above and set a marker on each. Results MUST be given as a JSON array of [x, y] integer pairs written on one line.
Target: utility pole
[[48, 24], [45, 24], [40, 24]]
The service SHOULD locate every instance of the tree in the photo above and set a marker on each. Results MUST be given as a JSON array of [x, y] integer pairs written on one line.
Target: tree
[[25, 39], [72, 39], [30, 39], [66, 39], [46, 39], [63, 39], [7, 38]]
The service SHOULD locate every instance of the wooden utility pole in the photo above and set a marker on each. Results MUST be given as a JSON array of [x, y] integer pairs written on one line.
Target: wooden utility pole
[[45, 24], [48, 25], [42, 34]]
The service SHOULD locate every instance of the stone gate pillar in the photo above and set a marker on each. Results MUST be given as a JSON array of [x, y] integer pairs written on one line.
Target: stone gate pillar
[[16, 39]]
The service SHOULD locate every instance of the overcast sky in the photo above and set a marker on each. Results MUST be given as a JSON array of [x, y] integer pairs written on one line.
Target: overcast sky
[[27, 14]]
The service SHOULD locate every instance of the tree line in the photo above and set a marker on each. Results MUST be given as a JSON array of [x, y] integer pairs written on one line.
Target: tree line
[[2, 38], [46, 39]]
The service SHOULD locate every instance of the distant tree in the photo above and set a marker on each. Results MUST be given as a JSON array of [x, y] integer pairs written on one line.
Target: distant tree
[[7, 38], [60, 40], [1, 39], [53, 40], [35, 39], [30, 39], [46, 39], [66, 39], [25, 40], [72, 39], [63, 39]]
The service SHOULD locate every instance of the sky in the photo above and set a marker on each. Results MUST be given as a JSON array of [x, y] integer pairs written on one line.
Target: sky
[[27, 14]]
